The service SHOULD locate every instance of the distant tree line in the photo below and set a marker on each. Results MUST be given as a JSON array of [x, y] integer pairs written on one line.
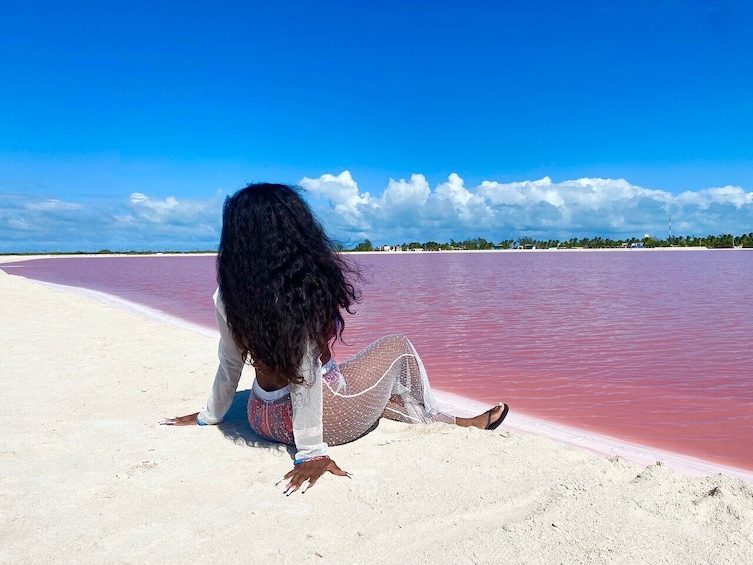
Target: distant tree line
[[107, 252], [721, 241]]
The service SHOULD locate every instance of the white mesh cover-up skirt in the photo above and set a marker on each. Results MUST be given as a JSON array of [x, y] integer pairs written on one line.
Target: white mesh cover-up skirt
[[386, 379]]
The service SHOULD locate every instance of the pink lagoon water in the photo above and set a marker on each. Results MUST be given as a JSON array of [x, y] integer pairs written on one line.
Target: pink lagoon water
[[654, 348]]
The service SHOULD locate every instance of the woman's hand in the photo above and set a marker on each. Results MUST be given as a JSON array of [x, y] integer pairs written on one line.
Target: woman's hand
[[307, 473], [190, 420]]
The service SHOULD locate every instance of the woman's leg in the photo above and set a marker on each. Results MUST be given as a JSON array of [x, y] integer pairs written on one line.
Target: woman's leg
[[385, 379]]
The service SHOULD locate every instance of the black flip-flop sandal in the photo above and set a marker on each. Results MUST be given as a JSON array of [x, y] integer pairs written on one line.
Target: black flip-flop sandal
[[495, 425]]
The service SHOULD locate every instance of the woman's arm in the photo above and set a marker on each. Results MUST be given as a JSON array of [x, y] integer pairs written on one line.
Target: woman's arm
[[227, 376], [307, 408], [225, 380], [311, 459]]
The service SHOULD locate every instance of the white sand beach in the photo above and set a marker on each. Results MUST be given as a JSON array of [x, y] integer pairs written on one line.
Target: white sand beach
[[87, 475]]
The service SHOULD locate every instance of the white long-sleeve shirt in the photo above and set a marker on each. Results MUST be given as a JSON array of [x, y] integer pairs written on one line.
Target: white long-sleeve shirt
[[306, 397]]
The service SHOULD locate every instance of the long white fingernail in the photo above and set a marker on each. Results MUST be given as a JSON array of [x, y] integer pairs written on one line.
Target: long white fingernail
[[162, 422], [289, 491], [279, 480], [305, 486]]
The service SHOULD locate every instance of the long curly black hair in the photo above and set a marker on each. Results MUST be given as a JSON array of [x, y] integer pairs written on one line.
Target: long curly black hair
[[283, 283]]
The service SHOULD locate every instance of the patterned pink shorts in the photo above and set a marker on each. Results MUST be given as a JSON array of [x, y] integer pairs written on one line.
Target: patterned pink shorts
[[274, 420]]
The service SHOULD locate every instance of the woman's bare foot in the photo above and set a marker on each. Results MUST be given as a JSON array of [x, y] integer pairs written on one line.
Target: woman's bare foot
[[489, 420]]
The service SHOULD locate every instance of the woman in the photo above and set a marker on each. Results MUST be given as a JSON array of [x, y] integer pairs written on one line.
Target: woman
[[282, 293]]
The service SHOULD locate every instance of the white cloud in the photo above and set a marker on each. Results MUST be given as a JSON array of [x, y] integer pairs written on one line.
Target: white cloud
[[52, 204], [411, 210], [18, 224], [401, 193], [402, 211], [29, 223], [729, 194], [341, 192], [469, 207], [169, 211], [514, 193], [454, 191]]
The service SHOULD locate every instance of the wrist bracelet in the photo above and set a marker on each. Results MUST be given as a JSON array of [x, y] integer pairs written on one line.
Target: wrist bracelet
[[305, 459]]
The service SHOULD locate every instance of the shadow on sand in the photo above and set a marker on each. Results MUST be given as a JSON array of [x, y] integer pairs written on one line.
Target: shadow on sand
[[236, 428]]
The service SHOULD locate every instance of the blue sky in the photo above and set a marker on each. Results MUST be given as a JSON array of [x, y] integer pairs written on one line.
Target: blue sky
[[124, 124]]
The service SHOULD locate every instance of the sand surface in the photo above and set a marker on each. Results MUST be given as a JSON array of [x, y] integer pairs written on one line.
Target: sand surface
[[87, 475]]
